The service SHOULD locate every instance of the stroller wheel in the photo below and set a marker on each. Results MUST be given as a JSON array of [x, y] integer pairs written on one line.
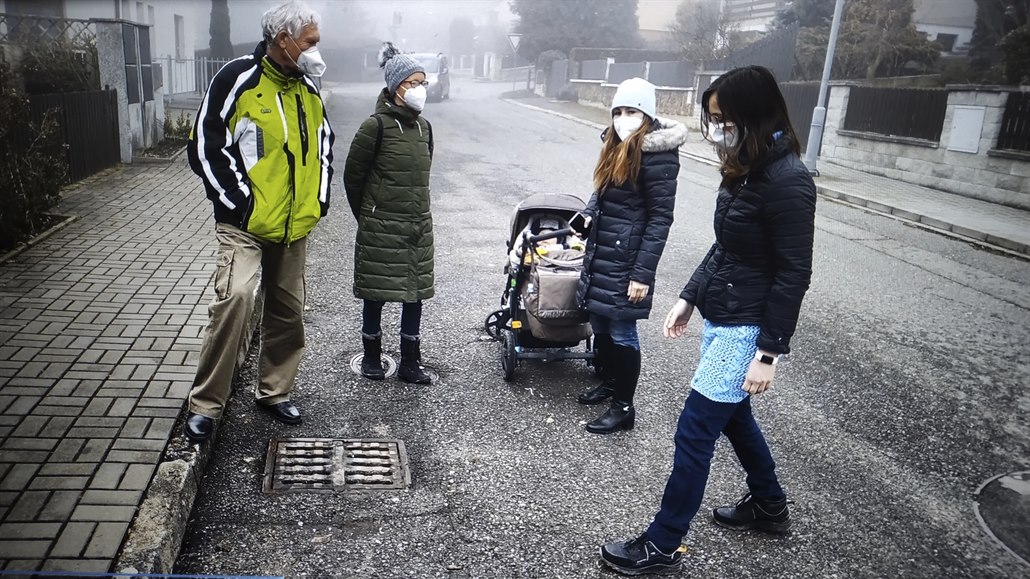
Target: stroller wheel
[[508, 355], [493, 323]]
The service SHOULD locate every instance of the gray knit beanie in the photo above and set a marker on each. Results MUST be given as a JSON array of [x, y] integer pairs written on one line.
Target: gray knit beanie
[[398, 66]]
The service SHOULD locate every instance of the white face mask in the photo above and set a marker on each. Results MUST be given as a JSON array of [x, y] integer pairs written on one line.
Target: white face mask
[[310, 61], [415, 98], [626, 126], [720, 137]]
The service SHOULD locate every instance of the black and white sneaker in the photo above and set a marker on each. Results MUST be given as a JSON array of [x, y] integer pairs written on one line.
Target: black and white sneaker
[[640, 556], [752, 513]]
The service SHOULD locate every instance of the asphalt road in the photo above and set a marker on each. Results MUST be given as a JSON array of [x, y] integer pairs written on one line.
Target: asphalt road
[[906, 390]]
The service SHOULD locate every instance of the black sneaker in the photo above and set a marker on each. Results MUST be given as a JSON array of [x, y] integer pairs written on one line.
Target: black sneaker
[[640, 556], [752, 513]]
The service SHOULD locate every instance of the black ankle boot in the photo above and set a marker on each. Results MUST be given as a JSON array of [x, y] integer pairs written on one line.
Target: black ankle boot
[[372, 361], [604, 390], [619, 416], [411, 362], [752, 513]]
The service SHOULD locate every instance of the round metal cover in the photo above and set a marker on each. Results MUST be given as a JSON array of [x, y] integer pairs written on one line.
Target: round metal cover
[[1003, 508], [388, 363]]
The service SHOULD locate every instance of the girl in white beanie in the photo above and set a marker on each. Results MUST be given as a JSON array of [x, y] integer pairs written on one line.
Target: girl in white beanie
[[627, 222]]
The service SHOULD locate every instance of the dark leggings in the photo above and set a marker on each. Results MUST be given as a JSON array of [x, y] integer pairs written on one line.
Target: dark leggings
[[372, 318]]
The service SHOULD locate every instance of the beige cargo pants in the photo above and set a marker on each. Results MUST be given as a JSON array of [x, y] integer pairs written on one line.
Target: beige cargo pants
[[240, 257]]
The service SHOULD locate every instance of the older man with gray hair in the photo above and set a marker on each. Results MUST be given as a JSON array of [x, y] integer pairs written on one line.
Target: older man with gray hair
[[262, 145]]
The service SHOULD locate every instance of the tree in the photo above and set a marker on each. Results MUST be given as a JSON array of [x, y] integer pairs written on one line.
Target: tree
[[567, 24], [877, 38], [994, 20], [220, 46], [702, 31], [1016, 45], [806, 13]]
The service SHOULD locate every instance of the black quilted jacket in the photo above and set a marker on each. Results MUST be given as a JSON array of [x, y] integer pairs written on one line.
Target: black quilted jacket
[[629, 229], [760, 266]]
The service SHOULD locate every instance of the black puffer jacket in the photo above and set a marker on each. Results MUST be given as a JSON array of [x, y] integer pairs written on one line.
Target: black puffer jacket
[[760, 266], [629, 228]]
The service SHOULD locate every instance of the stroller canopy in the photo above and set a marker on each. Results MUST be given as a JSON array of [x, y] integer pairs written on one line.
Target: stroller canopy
[[562, 204]]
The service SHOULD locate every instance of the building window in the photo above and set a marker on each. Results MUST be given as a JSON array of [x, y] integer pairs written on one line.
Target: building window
[[180, 38], [947, 41]]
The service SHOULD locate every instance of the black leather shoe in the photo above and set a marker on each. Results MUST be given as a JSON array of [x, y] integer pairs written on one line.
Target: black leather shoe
[[284, 412], [752, 513], [619, 416], [199, 427], [372, 359]]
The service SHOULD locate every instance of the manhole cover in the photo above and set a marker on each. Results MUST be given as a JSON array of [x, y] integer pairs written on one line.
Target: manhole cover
[[388, 364], [1003, 507], [335, 464]]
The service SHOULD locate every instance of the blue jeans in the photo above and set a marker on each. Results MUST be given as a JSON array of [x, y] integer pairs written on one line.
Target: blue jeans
[[698, 429], [623, 332], [372, 318]]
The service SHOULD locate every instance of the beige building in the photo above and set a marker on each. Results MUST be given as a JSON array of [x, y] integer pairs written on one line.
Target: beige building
[[656, 19]]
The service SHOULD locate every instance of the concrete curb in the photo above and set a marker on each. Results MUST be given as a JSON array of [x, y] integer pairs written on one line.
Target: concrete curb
[[153, 541], [980, 238]]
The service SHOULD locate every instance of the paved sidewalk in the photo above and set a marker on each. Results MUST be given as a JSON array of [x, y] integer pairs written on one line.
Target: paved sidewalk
[[100, 325], [996, 225]]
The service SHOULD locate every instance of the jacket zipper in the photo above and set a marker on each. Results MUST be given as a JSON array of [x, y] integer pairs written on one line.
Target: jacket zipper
[[302, 121], [722, 254], [291, 161]]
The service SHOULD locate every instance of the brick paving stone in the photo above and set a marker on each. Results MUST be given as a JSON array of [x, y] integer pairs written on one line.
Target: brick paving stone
[[107, 538], [33, 549], [28, 506], [14, 443], [94, 450], [137, 477], [17, 477], [21, 531], [108, 476], [103, 513], [67, 450], [60, 506], [73, 539], [59, 482], [23, 565], [57, 426], [84, 565], [122, 497], [140, 444], [67, 469]]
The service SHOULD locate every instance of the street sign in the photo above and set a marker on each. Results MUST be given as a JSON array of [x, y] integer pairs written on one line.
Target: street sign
[[514, 40]]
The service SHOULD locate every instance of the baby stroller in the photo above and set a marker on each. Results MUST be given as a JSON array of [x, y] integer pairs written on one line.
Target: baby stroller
[[539, 317]]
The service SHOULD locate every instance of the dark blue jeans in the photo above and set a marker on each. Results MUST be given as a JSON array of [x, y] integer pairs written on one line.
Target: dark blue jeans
[[623, 332], [372, 318], [700, 424]]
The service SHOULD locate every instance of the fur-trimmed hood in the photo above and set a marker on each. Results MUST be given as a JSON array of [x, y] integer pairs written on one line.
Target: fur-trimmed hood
[[667, 135]]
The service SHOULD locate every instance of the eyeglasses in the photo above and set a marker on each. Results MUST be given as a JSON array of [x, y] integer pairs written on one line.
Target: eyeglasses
[[415, 84]]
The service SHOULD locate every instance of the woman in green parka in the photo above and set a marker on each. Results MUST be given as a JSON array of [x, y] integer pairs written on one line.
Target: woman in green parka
[[387, 183]]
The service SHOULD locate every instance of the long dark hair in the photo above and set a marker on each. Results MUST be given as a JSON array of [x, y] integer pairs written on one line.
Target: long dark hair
[[750, 99]]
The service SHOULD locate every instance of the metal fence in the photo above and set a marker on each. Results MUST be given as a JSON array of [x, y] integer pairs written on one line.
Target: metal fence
[[24, 29], [801, 99], [897, 112], [620, 71], [1014, 134], [593, 69], [89, 128], [676, 73], [188, 75]]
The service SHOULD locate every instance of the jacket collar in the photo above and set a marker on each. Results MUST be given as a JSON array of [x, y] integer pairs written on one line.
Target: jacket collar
[[272, 69], [665, 135], [386, 106]]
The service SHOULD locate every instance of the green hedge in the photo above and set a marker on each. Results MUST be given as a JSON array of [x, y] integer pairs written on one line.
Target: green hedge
[[33, 166]]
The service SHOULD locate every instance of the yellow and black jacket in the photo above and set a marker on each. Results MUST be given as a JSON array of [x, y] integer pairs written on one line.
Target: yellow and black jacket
[[263, 146]]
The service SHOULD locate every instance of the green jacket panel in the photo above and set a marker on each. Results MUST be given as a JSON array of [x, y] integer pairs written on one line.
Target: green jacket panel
[[388, 190]]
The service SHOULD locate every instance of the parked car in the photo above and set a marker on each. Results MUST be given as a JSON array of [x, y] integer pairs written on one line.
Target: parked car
[[437, 74]]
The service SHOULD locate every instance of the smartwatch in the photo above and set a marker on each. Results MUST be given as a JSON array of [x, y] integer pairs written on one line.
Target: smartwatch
[[766, 359]]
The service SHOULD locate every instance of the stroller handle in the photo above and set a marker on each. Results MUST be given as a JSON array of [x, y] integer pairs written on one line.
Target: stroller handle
[[545, 236]]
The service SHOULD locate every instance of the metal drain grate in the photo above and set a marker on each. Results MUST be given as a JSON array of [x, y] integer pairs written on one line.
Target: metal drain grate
[[335, 464]]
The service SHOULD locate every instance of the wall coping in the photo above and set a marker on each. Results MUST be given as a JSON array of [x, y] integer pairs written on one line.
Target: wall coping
[[586, 81], [1009, 154], [986, 88], [890, 139]]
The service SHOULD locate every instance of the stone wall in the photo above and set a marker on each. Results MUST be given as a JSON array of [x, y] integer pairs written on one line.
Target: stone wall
[[671, 101], [951, 164]]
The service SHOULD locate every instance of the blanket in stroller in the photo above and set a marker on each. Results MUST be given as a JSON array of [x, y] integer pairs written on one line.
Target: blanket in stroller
[[549, 294]]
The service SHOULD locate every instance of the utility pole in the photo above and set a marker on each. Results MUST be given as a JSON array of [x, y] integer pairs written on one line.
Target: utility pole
[[815, 133]]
